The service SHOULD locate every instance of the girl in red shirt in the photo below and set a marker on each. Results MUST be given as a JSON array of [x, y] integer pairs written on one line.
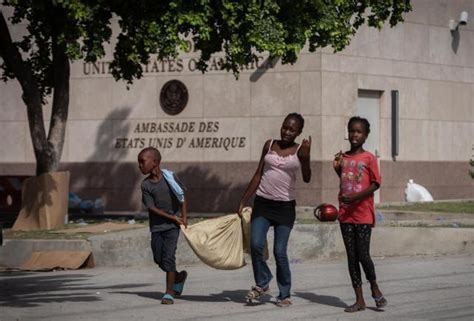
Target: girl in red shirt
[[359, 179]]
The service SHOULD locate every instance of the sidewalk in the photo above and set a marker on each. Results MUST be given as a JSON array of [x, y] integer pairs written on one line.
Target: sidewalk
[[417, 288]]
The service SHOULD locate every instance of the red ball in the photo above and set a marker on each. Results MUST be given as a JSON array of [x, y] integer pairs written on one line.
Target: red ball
[[326, 212]]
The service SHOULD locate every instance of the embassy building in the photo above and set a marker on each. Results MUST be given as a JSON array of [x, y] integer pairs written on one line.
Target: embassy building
[[414, 82]]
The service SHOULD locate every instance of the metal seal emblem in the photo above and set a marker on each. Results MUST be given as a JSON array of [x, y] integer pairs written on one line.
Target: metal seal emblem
[[173, 97]]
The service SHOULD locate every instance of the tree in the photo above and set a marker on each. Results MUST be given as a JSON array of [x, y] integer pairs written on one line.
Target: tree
[[471, 162], [471, 171], [61, 31]]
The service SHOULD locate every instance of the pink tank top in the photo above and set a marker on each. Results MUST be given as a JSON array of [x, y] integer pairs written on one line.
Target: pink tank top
[[279, 176]]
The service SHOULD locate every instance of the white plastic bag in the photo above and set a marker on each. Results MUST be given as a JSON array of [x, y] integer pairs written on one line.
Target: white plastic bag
[[417, 193]]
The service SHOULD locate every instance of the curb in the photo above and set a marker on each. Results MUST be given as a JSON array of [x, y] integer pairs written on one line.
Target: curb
[[307, 212], [14, 253], [308, 241]]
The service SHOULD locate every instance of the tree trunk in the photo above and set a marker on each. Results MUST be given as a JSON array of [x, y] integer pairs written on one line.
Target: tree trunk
[[47, 149], [57, 128]]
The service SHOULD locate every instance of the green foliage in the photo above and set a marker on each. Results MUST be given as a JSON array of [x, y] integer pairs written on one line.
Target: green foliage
[[78, 27], [238, 30], [466, 207]]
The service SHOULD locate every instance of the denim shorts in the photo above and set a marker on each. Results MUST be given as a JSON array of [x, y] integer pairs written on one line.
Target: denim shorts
[[163, 245]]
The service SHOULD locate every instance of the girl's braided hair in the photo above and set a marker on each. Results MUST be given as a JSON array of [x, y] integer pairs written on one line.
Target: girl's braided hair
[[364, 121], [298, 118]]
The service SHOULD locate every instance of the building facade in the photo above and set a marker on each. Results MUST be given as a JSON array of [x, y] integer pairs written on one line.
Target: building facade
[[420, 69]]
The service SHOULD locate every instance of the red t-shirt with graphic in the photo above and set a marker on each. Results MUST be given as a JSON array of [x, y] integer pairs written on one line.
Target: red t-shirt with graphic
[[358, 172]]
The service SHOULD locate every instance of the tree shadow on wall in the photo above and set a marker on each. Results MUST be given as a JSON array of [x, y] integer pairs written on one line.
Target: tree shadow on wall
[[208, 192], [36, 194], [268, 63], [104, 175]]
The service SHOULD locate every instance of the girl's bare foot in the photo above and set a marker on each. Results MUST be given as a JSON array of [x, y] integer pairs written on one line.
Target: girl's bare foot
[[356, 307]]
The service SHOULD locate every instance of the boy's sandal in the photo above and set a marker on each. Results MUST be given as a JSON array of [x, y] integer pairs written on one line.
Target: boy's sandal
[[380, 301], [167, 299], [284, 303], [178, 287], [354, 308]]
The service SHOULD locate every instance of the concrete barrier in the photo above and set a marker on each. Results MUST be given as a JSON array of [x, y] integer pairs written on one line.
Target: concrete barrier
[[307, 241], [14, 252]]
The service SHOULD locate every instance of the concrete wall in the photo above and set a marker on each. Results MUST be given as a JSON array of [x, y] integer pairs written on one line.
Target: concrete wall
[[431, 67]]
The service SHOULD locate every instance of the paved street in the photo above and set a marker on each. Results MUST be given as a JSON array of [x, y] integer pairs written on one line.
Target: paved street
[[418, 288]]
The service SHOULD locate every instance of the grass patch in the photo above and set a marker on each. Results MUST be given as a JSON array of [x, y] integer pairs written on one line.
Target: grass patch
[[54, 234], [43, 235], [466, 207], [312, 221], [429, 224]]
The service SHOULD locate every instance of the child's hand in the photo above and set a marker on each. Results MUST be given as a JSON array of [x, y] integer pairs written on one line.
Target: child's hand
[[336, 163], [178, 220], [305, 148], [239, 211], [347, 199], [185, 221]]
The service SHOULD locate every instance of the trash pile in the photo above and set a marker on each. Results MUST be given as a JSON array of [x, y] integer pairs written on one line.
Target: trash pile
[[78, 205]]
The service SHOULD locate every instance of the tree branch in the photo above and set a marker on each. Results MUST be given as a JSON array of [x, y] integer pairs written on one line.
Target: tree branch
[[31, 95]]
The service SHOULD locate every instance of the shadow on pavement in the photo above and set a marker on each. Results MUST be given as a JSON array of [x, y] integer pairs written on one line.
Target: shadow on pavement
[[375, 309], [322, 299], [329, 300], [148, 294], [20, 289], [237, 296]]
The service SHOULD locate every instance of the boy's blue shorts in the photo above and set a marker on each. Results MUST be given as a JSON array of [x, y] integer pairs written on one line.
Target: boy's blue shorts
[[163, 245]]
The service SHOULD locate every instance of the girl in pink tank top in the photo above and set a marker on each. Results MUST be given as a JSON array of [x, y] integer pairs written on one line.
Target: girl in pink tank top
[[274, 205], [279, 175]]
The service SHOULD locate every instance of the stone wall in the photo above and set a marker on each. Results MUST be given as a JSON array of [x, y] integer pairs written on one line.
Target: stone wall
[[218, 186], [431, 67]]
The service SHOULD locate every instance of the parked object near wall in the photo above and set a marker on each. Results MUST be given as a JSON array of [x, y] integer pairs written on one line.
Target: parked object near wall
[[44, 202], [10, 198], [326, 212], [417, 193]]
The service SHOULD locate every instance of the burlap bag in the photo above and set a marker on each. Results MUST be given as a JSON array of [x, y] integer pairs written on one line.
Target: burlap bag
[[221, 242]]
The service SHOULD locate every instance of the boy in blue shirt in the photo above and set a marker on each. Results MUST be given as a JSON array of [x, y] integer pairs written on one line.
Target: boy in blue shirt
[[166, 214]]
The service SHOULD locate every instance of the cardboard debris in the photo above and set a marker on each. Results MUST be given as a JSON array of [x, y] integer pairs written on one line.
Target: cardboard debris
[[52, 260], [44, 202], [100, 228]]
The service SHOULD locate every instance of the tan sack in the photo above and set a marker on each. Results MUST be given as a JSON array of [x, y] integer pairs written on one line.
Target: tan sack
[[221, 242]]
